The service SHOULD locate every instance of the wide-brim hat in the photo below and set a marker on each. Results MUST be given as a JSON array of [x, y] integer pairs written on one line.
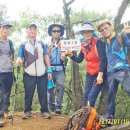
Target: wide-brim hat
[[100, 23], [56, 25], [31, 24], [5, 23], [86, 26]]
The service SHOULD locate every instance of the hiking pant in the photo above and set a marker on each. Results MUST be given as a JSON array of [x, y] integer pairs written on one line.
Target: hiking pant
[[57, 92], [113, 81], [6, 81], [30, 83], [91, 90]]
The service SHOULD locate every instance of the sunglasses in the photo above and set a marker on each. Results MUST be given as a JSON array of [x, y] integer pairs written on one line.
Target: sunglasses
[[103, 29], [54, 31]]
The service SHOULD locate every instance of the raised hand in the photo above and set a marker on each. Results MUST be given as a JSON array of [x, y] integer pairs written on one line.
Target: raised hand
[[126, 27]]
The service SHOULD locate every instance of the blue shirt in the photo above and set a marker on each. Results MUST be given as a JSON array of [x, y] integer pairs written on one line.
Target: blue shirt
[[116, 57]]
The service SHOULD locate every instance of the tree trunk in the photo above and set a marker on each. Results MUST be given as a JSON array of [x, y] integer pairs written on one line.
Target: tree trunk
[[120, 14], [77, 94]]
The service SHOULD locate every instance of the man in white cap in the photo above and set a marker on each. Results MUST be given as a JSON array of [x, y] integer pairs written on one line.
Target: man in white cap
[[6, 70], [37, 71]]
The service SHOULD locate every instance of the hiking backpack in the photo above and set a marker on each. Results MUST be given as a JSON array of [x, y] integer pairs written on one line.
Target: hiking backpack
[[122, 48], [85, 118]]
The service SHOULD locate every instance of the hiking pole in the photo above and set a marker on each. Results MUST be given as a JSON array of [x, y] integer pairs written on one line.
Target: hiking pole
[[16, 87]]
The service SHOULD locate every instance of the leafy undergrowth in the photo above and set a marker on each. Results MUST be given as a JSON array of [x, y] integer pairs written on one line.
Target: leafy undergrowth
[[36, 122]]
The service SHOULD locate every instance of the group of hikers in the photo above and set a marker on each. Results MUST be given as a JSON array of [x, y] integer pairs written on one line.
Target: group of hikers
[[107, 63]]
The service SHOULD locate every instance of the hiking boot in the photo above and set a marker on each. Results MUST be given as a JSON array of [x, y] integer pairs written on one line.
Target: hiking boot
[[52, 113], [8, 115], [58, 111], [1, 122], [106, 121], [27, 115], [46, 115]]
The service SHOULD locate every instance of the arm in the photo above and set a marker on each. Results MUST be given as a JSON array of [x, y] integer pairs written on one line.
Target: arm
[[12, 52], [79, 58], [47, 62], [19, 59], [46, 57], [102, 55], [102, 58]]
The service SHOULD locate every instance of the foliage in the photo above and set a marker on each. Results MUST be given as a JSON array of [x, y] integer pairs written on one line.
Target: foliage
[[3, 11], [123, 109]]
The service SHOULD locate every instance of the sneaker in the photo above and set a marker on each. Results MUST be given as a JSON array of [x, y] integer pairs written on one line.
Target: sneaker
[[8, 115], [46, 115], [27, 115], [1, 122]]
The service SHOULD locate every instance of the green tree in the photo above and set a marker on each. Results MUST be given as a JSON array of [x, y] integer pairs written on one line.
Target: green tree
[[3, 11]]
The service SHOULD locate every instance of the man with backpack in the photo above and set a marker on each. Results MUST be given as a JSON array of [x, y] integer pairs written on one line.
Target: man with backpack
[[33, 53], [118, 68], [56, 31], [6, 70]]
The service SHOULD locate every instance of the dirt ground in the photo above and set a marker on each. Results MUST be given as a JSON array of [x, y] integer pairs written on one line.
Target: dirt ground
[[36, 122]]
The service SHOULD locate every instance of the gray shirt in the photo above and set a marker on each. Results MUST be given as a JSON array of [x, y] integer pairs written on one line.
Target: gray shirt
[[5, 65]]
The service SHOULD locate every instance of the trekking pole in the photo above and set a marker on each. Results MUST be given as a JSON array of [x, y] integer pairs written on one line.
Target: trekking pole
[[16, 88]]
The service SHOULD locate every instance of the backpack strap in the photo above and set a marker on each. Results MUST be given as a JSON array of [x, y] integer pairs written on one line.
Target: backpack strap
[[120, 40], [11, 50]]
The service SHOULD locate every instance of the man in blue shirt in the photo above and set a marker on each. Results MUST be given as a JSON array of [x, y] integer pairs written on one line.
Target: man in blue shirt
[[117, 64], [56, 31]]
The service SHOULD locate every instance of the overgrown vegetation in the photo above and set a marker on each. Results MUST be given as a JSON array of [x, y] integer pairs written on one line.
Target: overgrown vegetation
[[17, 96]]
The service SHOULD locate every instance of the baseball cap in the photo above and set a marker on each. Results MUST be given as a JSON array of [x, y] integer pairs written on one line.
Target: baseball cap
[[5, 23], [32, 24]]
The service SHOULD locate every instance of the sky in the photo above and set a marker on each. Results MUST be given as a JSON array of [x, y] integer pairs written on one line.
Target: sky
[[46, 7]]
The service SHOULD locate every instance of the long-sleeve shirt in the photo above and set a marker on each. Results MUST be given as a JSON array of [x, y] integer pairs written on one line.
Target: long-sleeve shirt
[[101, 53], [116, 57]]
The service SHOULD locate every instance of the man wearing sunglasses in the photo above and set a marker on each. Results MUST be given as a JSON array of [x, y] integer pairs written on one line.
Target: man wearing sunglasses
[[56, 31], [117, 63]]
